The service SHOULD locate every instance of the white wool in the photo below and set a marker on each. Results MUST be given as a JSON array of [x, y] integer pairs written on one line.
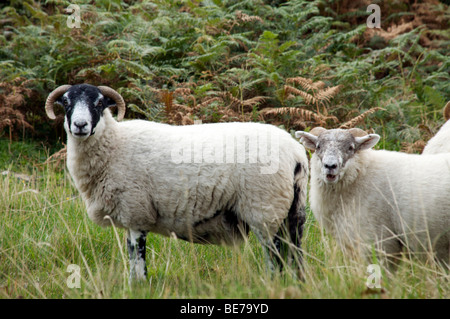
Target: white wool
[[440, 143], [127, 171], [389, 199]]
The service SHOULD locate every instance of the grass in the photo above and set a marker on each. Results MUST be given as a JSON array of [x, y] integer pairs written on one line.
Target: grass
[[181, 61], [44, 228]]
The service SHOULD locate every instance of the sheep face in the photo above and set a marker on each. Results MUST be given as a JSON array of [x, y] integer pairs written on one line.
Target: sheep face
[[84, 105], [335, 149]]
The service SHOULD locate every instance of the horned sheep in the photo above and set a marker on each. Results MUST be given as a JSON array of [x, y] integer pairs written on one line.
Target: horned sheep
[[382, 199], [208, 183]]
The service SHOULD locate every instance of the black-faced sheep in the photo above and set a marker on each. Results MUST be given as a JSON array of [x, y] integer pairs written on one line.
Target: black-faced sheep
[[208, 183]]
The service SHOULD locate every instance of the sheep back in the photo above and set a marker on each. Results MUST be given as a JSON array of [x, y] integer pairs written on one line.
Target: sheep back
[[138, 175]]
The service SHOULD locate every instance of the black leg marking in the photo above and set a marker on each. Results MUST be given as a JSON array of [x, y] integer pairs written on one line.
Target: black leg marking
[[136, 249]]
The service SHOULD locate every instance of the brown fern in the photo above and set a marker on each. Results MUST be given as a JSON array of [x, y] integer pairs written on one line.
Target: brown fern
[[166, 97], [303, 82], [356, 120], [328, 93], [309, 98], [185, 94], [416, 147], [237, 104], [303, 114], [313, 93], [254, 101], [57, 157], [207, 102], [240, 16], [12, 110]]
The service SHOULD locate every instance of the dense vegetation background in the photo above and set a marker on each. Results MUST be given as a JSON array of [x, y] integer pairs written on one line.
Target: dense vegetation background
[[292, 63], [296, 63]]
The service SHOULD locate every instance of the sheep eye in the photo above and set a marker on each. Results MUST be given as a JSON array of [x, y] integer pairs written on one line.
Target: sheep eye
[[351, 148], [100, 104], [65, 103], [317, 147]]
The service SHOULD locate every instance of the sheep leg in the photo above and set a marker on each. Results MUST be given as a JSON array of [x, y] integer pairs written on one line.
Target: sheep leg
[[287, 242], [267, 249], [136, 250], [295, 224]]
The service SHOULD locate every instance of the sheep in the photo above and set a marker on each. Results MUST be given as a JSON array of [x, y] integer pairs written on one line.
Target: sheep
[[440, 143], [183, 181], [376, 198]]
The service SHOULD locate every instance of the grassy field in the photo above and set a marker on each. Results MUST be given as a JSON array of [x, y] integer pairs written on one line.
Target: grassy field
[[295, 64], [44, 228]]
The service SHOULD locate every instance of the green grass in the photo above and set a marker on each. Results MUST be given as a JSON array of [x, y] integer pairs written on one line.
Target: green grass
[[138, 47], [44, 228]]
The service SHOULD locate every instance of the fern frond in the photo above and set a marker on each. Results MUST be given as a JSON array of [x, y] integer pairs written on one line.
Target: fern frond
[[354, 121], [208, 102], [304, 83], [240, 16], [304, 114], [309, 99], [254, 101], [328, 93]]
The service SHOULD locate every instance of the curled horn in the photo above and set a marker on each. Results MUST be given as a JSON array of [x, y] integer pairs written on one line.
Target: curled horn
[[52, 98], [357, 132], [112, 94], [317, 131], [447, 111]]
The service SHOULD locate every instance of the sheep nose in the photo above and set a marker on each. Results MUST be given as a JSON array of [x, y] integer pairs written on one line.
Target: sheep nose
[[80, 124], [332, 166]]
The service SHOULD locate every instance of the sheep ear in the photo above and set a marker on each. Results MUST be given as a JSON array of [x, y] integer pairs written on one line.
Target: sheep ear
[[367, 141], [447, 111], [307, 139]]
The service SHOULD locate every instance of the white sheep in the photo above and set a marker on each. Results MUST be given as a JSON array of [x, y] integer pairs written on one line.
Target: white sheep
[[207, 183], [440, 143], [376, 197]]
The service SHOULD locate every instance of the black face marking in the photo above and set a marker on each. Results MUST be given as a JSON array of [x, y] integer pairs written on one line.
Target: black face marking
[[86, 96]]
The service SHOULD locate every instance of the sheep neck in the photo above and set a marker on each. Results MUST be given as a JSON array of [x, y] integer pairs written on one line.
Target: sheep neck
[[88, 160]]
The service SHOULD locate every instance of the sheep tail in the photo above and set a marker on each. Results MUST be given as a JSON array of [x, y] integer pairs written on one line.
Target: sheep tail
[[292, 228], [297, 215]]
